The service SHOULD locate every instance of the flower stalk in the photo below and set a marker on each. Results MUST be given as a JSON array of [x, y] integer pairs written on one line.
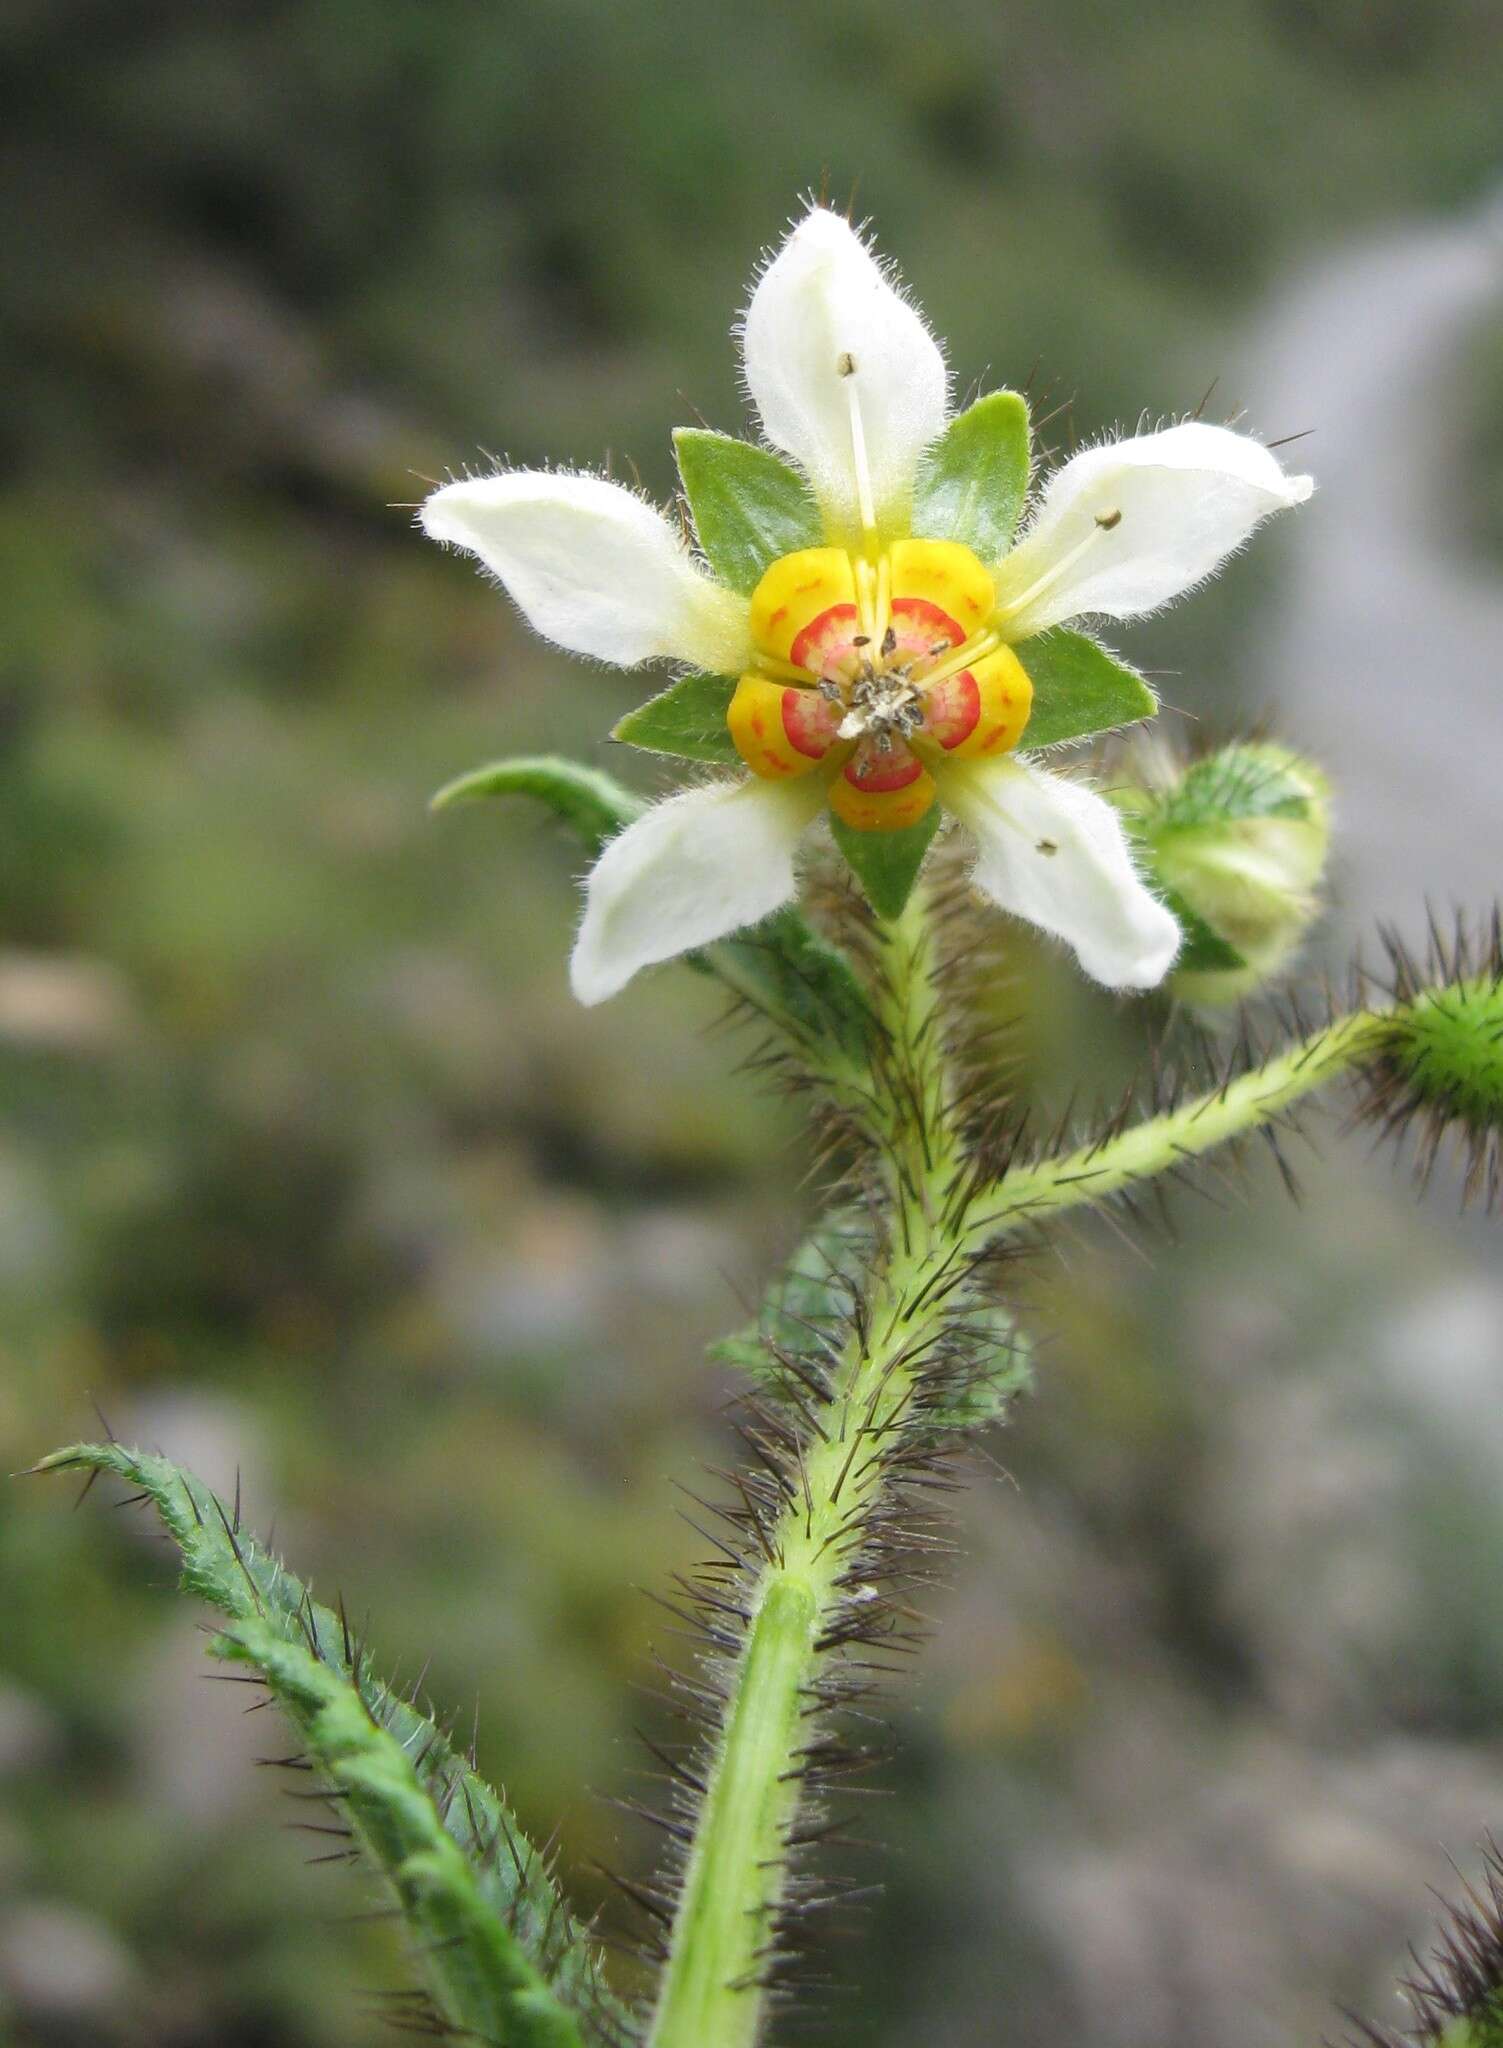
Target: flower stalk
[[809, 1591]]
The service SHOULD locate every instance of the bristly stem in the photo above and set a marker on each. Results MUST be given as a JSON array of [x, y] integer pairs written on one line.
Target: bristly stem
[[810, 1592], [1028, 1195], [838, 1474]]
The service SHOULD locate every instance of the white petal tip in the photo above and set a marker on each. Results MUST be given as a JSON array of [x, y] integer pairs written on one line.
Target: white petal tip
[[591, 983], [1298, 488], [436, 516], [1159, 939]]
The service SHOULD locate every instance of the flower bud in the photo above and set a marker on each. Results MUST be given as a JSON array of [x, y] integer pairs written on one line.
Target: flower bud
[[1237, 843]]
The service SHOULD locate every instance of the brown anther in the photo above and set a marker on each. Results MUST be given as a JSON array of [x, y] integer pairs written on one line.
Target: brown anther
[[1047, 846], [889, 641], [846, 364], [861, 639], [1107, 520]]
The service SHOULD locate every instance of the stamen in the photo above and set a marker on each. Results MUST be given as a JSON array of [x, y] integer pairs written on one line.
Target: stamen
[[884, 597], [846, 365], [975, 649], [784, 671], [1105, 522]]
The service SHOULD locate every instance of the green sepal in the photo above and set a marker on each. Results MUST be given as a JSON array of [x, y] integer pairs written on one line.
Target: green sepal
[[686, 719], [1249, 779], [1203, 951], [506, 1959], [595, 805], [779, 967], [749, 507], [1078, 688], [886, 864], [972, 482]]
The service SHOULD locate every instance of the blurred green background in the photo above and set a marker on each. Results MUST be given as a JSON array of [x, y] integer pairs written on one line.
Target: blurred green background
[[309, 1167]]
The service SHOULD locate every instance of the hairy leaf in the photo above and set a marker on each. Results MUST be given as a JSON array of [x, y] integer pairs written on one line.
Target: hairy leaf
[[780, 967], [1078, 688], [594, 804], [973, 480], [749, 507], [507, 1962], [987, 1360], [887, 863], [687, 719]]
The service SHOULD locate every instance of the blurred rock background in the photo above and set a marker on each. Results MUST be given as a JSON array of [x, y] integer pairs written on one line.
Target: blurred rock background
[[309, 1169]]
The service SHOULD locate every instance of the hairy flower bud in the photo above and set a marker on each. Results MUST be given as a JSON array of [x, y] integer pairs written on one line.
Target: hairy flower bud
[[1236, 841]]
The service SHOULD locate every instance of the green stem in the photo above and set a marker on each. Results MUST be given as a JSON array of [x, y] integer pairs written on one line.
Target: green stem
[[1028, 1195], [711, 1995]]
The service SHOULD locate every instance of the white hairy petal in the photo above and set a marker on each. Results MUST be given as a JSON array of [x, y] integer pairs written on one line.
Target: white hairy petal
[[691, 869], [1055, 853], [1124, 528], [825, 319], [594, 568]]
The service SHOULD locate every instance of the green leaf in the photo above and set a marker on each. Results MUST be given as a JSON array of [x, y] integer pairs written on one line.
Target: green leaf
[[749, 507], [506, 1960], [594, 804], [988, 1361], [794, 980], [887, 863], [809, 1300], [973, 480], [1078, 688], [780, 967], [991, 1365], [687, 719]]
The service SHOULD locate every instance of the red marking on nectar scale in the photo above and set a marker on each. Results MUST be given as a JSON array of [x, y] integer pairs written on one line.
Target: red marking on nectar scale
[[952, 709], [874, 771], [811, 722]]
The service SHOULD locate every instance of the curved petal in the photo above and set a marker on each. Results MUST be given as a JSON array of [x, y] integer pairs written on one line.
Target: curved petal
[[594, 568], [825, 319], [688, 871], [1054, 853], [1123, 528]]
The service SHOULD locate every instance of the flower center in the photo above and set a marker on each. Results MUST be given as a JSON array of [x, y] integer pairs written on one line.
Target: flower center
[[884, 702], [875, 672]]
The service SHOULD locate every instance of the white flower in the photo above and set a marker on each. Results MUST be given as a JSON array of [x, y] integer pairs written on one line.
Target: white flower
[[879, 672]]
